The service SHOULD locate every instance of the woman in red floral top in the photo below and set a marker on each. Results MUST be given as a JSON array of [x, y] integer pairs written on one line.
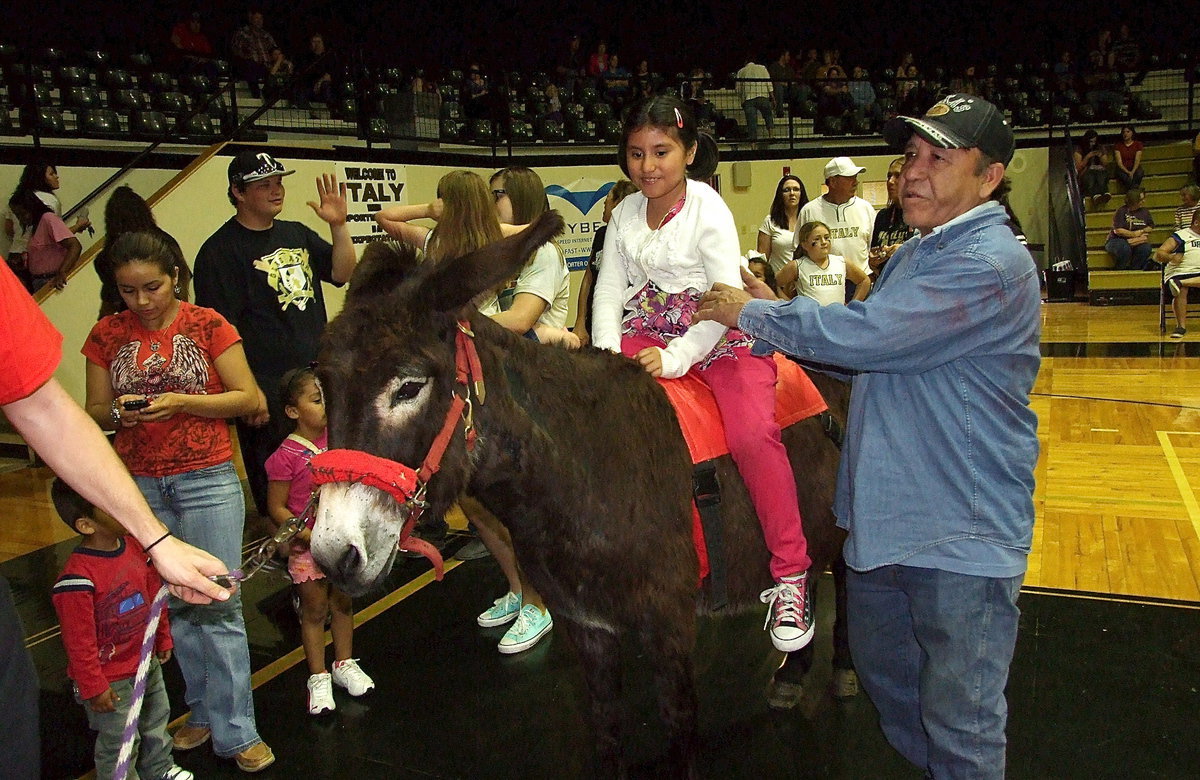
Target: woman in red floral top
[[165, 375]]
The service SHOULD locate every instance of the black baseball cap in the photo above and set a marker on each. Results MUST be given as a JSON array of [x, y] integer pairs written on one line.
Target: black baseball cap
[[249, 166], [957, 121]]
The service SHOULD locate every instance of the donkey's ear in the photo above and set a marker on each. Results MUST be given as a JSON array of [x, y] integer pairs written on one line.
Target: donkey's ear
[[454, 283], [384, 265]]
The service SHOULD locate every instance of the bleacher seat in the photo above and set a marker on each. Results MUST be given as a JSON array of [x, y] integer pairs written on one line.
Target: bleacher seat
[[148, 125], [601, 112], [221, 68], [581, 131], [73, 76], [347, 110], [196, 84], [198, 127], [393, 76], [831, 125], [516, 109], [610, 130], [535, 92], [130, 100], [7, 125], [97, 59], [100, 123], [171, 103], [521, 131], [377, 130], [140, 61], [51, 55], [48, 121], [117, 78], [451, 110], [450, 129], [573, 111], [551, 132], [860, 125], [454, 77], [82, 98], [807, 109], [449, 93], [481, 131], [588, 96], [8, 54], [158, 81]]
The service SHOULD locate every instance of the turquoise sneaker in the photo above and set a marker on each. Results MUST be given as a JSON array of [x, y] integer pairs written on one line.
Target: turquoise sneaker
[[532, 624], [503, 610]]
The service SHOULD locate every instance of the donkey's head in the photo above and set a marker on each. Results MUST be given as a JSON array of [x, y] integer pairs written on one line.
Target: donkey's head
[[387, 368]]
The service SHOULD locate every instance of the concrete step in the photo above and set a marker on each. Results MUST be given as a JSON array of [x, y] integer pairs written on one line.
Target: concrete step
[[1097, 236], [1163, 216], [1181, 150], [1123, 280]]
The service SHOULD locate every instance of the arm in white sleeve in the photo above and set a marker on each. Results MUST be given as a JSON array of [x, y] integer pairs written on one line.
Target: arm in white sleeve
[[608, 300]]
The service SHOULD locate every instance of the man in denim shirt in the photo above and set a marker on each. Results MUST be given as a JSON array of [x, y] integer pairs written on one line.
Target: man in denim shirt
[[936, 478]]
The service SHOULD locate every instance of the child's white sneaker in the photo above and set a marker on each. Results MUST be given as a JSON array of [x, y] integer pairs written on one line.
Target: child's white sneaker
[[353, 679], [320, 694]]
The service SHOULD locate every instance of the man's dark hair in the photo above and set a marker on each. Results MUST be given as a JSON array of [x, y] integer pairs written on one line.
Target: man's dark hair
[[70, 505]]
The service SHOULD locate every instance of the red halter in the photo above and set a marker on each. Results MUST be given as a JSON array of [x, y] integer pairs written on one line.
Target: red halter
[[403, 483]]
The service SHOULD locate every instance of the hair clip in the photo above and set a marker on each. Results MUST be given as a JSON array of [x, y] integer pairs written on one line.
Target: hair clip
[[678, 119]]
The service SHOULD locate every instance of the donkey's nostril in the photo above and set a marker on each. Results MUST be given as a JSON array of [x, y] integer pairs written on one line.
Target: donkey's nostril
[[350, 563]]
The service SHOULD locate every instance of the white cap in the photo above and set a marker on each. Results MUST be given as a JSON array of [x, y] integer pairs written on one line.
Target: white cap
[[842, 166]]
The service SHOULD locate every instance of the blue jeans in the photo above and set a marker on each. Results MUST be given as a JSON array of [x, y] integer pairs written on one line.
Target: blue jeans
[[753, 107], [206, 508], [1129, 182], [932, 649], [1129, 257], [152, 743]]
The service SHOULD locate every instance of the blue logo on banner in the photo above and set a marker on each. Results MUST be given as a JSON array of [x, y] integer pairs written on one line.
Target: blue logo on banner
[[580, 200]]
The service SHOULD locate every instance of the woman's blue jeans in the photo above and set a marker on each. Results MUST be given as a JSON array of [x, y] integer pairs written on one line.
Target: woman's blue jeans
[[206, 508], [932, 649]]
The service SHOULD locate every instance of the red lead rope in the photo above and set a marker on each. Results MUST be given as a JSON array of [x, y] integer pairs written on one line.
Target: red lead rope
[[401, 482]]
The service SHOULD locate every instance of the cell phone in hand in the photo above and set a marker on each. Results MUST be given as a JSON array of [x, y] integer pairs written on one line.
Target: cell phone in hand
[[135, 404]]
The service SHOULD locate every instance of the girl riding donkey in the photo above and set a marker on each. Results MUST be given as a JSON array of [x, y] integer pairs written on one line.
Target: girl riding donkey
[[665, 247]]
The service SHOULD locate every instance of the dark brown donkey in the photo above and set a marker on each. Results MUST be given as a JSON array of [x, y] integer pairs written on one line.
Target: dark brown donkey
[[578, 453]]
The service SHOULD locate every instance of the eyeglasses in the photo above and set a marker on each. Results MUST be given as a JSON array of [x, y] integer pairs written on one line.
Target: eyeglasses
[[498, 194]]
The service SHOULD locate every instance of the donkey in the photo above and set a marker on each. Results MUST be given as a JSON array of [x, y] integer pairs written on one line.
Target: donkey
[[576, 452]]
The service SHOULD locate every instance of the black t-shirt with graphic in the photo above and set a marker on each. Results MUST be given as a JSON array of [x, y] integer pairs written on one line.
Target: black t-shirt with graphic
[[267, 283]]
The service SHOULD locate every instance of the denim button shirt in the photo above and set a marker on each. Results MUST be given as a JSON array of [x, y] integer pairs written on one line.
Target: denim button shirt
[[937, 466]]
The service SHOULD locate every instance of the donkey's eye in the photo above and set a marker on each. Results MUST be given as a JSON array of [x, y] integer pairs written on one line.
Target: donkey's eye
[[408, 390]]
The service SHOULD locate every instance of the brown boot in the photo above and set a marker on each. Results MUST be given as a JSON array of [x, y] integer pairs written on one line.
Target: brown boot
[[189, 736], [255, 758]]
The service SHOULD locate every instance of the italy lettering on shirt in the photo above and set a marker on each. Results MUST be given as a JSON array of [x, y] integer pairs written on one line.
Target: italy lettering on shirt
[[843, 232], [825, 280]]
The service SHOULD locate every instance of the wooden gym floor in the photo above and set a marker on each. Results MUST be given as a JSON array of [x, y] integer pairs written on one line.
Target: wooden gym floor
[[1104, 682]]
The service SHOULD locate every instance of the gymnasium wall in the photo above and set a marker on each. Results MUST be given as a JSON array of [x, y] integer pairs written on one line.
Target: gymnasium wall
[[197, 206]]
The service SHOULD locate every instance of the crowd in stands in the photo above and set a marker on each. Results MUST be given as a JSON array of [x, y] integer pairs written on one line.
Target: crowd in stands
[[812, 91]]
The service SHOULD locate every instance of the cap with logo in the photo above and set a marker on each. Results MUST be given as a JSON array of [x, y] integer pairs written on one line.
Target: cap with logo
[[957, 122], [249, 166], [842, 166]]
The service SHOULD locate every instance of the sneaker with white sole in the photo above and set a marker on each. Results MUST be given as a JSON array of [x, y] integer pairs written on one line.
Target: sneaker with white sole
[[531, 625], [177, 772], [503, 610], [348, 675], [789, 613], [1178, 333], [320, 694]]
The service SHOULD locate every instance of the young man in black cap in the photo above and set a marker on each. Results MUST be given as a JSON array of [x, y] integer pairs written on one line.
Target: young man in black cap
[[264, 275], [936, 481]]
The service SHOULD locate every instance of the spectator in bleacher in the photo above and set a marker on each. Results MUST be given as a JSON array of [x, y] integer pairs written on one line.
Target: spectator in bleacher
[[1064, 71], [1091, 167], [755, 94], [598, 61], [1129, 240], [279, 74], [781, 81], [554, 111], [475, 94], [776, 241], [1189, 202], [572, 67], [849, 217], [835, 97], [643, 81], [316, 66], [616, 82], [862, 93], [251, 47], [1129, 158], [890, 230], [127, 212], [191, 45], [1103, 88], [264, 276], [1127, 55], [1181, 255], [807, 70]]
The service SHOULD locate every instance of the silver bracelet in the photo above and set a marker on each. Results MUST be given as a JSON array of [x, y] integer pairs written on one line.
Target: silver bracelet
[[115, 411]]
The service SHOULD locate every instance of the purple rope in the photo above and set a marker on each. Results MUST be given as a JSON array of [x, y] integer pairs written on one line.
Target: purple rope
[[125, 756]]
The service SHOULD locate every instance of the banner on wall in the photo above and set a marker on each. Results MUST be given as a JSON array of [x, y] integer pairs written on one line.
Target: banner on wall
[[581, 204], [370, 188]]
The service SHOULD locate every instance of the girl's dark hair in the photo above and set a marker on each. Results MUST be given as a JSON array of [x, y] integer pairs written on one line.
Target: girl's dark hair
[[1130, 128], [127, 212], [143, 247], [778, 210], [768, 274], [669, 113], [33, 180], [1088, 137], [526, 193], [69, 504], [33, 177], [28, 208], [293, 382]]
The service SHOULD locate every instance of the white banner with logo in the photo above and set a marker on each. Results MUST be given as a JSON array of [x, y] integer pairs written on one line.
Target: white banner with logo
[[581, 204]]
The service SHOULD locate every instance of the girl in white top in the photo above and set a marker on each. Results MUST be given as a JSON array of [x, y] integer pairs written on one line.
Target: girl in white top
[[665, 247], [817, 274], [775, 238]]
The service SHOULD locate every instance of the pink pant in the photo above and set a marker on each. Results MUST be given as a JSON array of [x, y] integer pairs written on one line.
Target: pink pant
[[745, 391]]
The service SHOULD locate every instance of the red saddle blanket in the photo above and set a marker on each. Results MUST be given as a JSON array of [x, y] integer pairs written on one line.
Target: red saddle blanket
[[796, 399]]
